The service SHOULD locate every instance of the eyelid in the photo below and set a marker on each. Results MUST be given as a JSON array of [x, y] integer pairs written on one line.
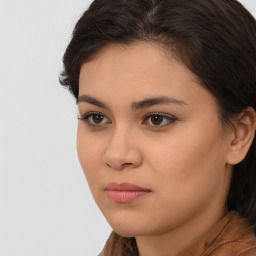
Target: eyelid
[[87, 115], [169, 117]]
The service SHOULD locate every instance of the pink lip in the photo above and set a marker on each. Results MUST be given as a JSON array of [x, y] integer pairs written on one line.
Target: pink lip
[[125, 192]]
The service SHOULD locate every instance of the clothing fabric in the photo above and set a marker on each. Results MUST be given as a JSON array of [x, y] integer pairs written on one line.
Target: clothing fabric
[[231, 236]]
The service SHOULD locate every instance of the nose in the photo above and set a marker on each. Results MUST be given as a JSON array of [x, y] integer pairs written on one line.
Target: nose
[[122, 151]]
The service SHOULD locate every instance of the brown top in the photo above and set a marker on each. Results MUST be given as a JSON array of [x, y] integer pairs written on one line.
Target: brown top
[[231, 236]]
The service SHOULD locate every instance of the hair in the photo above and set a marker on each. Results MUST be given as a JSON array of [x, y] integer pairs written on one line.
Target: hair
[[215, 39]]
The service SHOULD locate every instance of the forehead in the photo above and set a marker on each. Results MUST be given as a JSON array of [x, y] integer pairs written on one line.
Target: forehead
[[138, 71], [134, 61]]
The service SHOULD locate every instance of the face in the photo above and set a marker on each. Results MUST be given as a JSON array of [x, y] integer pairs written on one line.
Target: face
[[149, 141]]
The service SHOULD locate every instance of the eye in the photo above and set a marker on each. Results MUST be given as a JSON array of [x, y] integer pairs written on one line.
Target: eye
[[159, 119], [95, 119]]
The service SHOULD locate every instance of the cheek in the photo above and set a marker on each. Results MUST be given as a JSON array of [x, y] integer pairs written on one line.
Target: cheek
[[188, 173], [89, 154], [189, 161]]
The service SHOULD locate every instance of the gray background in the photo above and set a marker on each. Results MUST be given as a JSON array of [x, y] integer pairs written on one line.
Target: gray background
[[46, 208]]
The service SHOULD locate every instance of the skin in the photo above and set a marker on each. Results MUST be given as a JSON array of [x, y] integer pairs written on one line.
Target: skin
[[184, 163]]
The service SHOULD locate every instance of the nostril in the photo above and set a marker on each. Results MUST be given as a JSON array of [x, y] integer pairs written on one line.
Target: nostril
[[118, 166], [126, 164], [121, 158]]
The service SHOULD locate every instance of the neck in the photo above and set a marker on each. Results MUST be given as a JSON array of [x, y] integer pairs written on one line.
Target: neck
[[175, 241]]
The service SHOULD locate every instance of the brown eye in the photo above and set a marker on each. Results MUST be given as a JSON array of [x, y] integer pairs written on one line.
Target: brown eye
[[97, 119], [156, 120]]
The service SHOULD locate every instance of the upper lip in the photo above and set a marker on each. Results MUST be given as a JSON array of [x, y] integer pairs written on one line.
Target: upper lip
[[124, 187]]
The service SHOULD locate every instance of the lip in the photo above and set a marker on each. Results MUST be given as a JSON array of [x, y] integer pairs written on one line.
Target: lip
[[125, 192], [124, 187]]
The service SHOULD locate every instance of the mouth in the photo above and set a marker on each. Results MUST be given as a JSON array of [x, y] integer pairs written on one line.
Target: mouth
[[125, 192]]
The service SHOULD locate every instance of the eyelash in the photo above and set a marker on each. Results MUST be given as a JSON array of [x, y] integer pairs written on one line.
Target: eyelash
[[86, 117], [170, 119]]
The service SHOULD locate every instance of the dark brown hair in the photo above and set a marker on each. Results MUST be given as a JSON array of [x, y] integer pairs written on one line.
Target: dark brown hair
[[215, 39]]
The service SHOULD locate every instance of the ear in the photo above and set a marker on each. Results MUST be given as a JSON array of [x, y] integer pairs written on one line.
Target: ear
[[243, 135]]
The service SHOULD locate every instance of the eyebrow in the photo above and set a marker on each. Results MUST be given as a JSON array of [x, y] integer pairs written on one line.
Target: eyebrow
[[91, 100], [154, 101], [135, 105]]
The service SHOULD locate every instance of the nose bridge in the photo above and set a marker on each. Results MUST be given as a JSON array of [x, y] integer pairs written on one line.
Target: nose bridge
[[121, 149], [120, 141]]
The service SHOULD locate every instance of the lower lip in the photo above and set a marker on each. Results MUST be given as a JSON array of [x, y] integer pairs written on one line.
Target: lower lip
[[125, 196]]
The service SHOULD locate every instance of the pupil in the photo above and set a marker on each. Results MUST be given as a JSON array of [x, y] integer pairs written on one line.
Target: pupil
[[97, 118], [157, 120]]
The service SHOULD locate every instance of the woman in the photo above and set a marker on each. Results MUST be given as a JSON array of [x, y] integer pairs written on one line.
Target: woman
[[166, 92]]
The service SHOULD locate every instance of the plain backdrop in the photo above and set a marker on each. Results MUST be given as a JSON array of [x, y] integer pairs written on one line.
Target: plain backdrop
[[46, 208]]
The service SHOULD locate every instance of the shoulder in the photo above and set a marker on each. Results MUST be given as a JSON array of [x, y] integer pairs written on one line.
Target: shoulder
[[234, 249], [119, 246], [231, 236], [237, 238]]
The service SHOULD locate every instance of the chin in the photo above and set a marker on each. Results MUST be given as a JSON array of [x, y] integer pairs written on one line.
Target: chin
[[128, 231], [129, 227]]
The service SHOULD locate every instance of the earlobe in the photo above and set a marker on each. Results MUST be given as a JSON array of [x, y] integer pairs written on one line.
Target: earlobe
[[243, 136]]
